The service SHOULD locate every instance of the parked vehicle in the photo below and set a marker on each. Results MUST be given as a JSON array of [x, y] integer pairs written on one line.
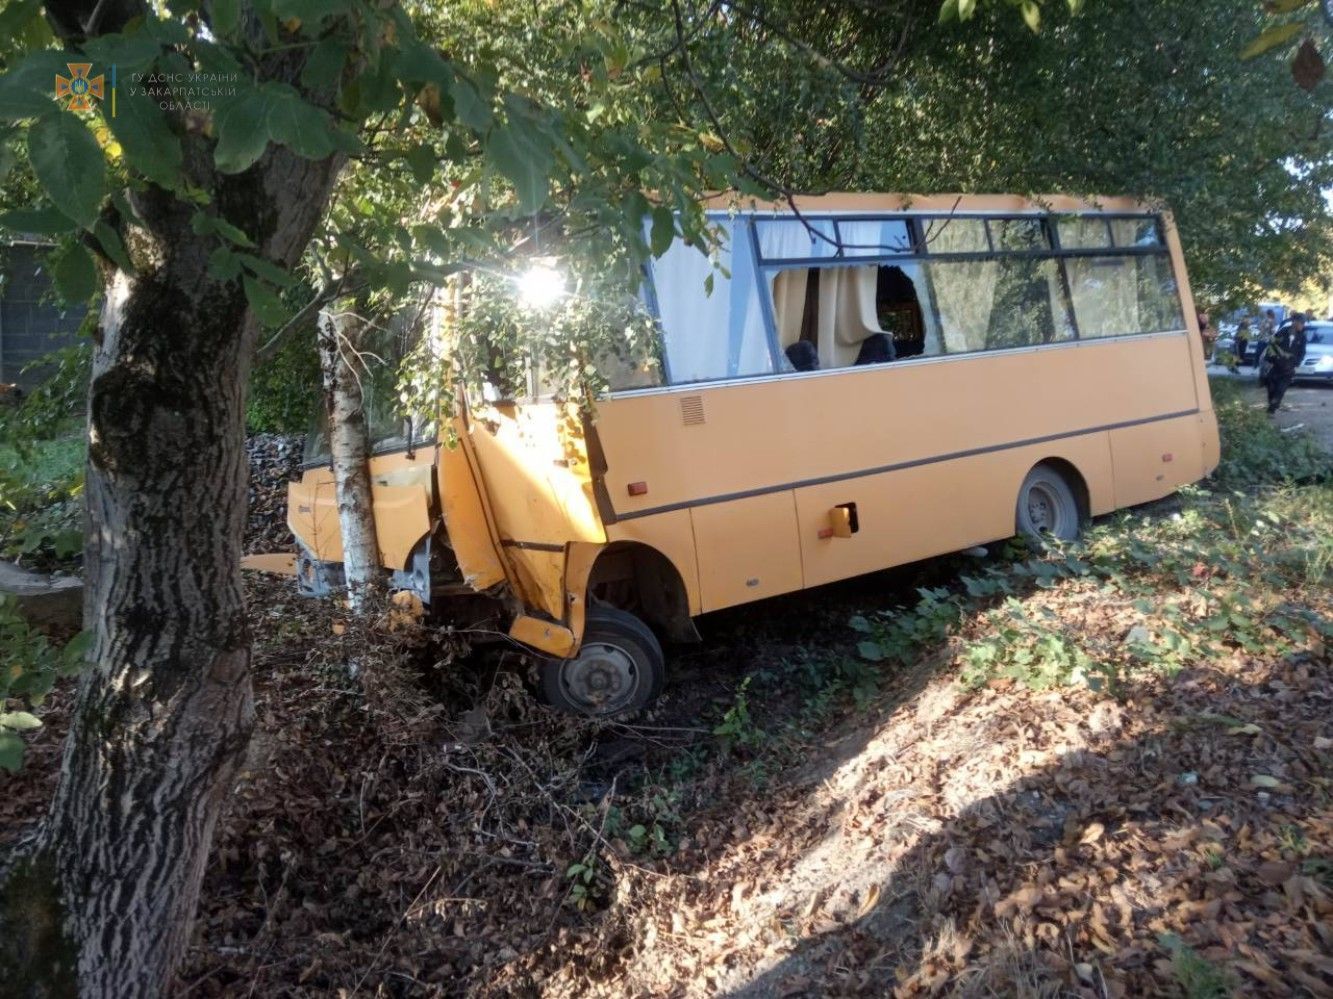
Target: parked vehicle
[[1225, 345], [878, 380]]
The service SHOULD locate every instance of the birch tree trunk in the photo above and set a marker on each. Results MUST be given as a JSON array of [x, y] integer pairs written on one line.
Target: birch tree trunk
[[340, 339], [102, 902]]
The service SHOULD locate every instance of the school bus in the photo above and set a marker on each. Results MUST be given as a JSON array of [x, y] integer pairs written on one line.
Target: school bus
[[874, 379]]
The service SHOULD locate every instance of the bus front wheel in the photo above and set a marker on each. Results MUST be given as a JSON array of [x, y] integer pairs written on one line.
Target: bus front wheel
[[1047, 507], [619, 668]]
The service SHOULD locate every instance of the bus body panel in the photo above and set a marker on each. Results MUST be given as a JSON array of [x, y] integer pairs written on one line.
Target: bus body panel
[[798, 430], [533, 465], [672, 535], [401, 500], [467, 521], [1153, 460], [746, 549], [932, 509]]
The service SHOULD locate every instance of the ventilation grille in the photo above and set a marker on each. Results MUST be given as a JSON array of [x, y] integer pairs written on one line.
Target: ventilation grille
[[692, 410]]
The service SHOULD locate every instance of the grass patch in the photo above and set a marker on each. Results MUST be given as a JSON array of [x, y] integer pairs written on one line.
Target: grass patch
[[1254, 451]]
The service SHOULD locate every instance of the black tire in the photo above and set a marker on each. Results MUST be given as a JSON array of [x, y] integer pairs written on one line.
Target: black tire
[[1047, 507], [619, 668]]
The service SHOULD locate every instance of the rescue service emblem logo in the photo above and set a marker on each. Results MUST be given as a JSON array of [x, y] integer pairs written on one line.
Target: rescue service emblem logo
[[79, 87]]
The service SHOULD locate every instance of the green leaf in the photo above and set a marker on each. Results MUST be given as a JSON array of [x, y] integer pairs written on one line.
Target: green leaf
[[858, 622], [1286, 6], [264, 301], [524, 162], [216, 59], [309, 12], [242, 131], [664, 230], [224, 265], [75, 653], [204, 224], [151, 147], [422, 159], [270, 272], [472, 107], [948, 11], [1031, 15], [26, 91], [325, 65], [1075, 6], [301, 127], [11, 751], [74, 273], [420, 63], [113, 246], [966, 8], [45, 221], [168, 31], [226, 15], [69, 164], [19, 721], [1272, 38], [870, 651], [16, 15], [129, 53]]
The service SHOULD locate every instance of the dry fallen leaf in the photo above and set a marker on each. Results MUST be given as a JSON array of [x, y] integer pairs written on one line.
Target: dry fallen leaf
[[868, 903], [1092, 834]]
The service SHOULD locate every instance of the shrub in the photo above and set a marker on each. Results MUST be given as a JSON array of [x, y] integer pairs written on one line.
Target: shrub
[[1254, 451], [29, 667]]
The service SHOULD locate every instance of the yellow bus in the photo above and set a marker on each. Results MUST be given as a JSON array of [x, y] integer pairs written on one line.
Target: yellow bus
[[874, 379]]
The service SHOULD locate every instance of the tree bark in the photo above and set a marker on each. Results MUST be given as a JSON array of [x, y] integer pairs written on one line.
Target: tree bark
[[104, 898], [340, 339]]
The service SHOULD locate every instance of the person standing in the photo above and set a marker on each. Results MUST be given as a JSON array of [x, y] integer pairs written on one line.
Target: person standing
[[1267, 326], [1285, 352], [1242, 344], [1208, 334]]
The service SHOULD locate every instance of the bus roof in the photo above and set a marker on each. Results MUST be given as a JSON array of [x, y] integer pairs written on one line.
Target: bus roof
[[932, 203]]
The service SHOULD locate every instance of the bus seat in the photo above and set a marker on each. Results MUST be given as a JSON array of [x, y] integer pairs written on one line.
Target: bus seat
[[803, 356], [877, 348], [789, 305]]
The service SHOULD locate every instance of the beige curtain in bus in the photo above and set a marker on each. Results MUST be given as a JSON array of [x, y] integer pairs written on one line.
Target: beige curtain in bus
[[847, 313], [964, 290], [1105, 294], [789, 304]]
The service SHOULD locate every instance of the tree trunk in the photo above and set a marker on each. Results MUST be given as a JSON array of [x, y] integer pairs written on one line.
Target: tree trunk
[[104, 899], [340, 339]]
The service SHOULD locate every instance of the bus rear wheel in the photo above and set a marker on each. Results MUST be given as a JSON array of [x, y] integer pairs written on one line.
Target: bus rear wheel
[[1047, 507], [619, 668]]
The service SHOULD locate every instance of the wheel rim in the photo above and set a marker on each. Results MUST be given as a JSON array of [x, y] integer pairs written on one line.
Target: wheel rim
[[1045, 511], [601, 679]]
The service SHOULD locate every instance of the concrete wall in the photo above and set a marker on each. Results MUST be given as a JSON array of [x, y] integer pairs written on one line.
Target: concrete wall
[[32, 323]]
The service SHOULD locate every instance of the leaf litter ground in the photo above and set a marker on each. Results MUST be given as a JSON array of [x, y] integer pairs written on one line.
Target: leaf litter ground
[[795, 820]]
